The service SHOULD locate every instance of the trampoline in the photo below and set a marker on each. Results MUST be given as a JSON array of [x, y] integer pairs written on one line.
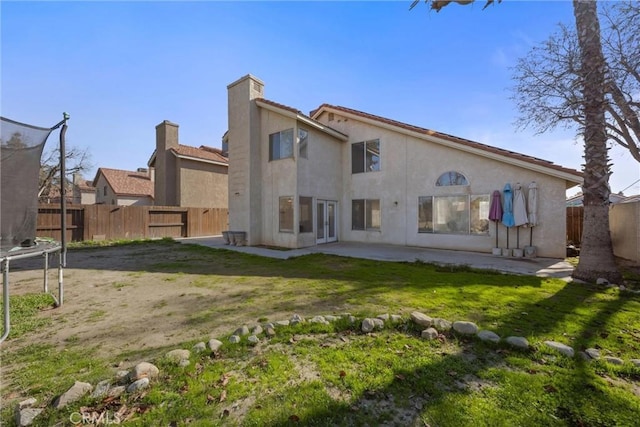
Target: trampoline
[[21, 147]]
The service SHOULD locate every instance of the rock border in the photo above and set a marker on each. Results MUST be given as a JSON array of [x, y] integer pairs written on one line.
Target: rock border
[[141, 375]]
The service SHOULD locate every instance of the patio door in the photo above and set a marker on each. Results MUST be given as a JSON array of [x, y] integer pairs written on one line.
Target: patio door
[[326, 221]]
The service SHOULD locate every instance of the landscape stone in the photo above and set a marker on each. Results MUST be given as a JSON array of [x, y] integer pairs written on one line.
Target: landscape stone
[[257, 330], [318, 319], [214, 344], [296, 318], [140, 384], [269, 325], [178, 355], [614, 360], [27, 403], [122, 376], [465, 328], [602, 281], [144, 369], [331, 318], [368, 325], [489, 336], [282, 323], [635, 362], [199, 347], [270, 332], [116, 391], [352, 319], [561, 348], [253, 339], [384, 317], [421, 319], [429, 334], [243, 330], [184, 363], [593, 353], [584, 356], [396, 318], [519, 342], [234, 339], [379, 323], [76, 392], [441, 325], [25, 416], [101, 389]]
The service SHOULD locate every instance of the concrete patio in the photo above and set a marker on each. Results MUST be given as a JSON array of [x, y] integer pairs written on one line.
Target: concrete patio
[[542, 267]]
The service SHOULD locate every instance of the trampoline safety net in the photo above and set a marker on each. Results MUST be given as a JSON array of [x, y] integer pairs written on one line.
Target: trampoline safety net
[[21, 147]]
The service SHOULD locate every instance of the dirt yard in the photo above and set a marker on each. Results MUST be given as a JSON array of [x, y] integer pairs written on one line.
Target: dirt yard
[[138, 297]]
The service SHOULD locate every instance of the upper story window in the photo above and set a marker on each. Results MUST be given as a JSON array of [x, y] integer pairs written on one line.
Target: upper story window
[[451, 178], [365, 156], [303, 142], [281, 145], [104, 190]]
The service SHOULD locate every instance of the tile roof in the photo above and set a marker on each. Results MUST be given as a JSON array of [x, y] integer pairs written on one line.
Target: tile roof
[[455, 139], [203, 152], [84, 185], [300, 113], [128, 183]]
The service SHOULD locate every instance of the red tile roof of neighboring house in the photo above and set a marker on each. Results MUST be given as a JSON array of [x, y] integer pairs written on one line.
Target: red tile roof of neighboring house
[[455, 139], [203, 152], [84, 185], [127, 183]]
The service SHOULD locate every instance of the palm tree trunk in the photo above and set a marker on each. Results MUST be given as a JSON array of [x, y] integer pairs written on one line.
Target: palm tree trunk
[[596, 253]]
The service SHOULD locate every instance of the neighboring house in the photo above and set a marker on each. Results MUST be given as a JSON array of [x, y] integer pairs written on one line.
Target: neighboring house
[[84, 193], [577, 199], [341, 174], [187, 176], [123, 188]]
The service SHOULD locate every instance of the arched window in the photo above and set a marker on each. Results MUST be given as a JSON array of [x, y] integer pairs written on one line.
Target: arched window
[[451, 178]]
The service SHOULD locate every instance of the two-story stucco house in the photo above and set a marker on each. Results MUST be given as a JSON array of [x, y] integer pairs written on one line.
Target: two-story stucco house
[[298, 180], [187, 176]]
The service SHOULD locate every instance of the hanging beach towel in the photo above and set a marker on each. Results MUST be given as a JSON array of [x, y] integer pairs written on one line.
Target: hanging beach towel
[[495, 210], [519, 211], [532, 209], [507, 209]]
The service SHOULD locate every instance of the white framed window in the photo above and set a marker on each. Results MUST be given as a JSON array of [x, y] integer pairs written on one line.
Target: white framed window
[[365, 214], [365, 156], [451, 178], [285, 214], [455, 214], [303, 143], [281, 145]]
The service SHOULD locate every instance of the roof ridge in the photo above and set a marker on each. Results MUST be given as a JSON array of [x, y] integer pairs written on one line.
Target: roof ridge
[[452, 138]]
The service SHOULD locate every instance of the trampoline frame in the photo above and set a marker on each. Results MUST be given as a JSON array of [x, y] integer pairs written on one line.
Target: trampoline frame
[[46, 248], [5, 263]]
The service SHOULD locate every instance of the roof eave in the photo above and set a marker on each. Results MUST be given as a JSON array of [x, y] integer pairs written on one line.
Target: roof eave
[[571, 179], [197, 159], [306, 120]]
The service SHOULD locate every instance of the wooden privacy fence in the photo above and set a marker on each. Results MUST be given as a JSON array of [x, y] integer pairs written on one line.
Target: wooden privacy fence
[[111, 222], [574, 224]]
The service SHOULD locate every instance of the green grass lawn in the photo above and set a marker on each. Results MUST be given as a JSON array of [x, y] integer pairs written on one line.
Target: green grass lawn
[[335, 375]]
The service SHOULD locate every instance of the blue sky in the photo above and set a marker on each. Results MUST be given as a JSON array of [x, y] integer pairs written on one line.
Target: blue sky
[[120, 68]]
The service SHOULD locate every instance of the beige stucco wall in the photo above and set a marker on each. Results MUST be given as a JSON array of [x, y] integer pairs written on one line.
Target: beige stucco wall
[[102, 197], [245, 158], [624, 223], [319, 176], [202, 185], [410, 168]]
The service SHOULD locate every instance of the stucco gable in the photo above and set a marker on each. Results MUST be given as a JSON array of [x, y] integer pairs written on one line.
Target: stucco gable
[[570, 175], [298, 115]]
